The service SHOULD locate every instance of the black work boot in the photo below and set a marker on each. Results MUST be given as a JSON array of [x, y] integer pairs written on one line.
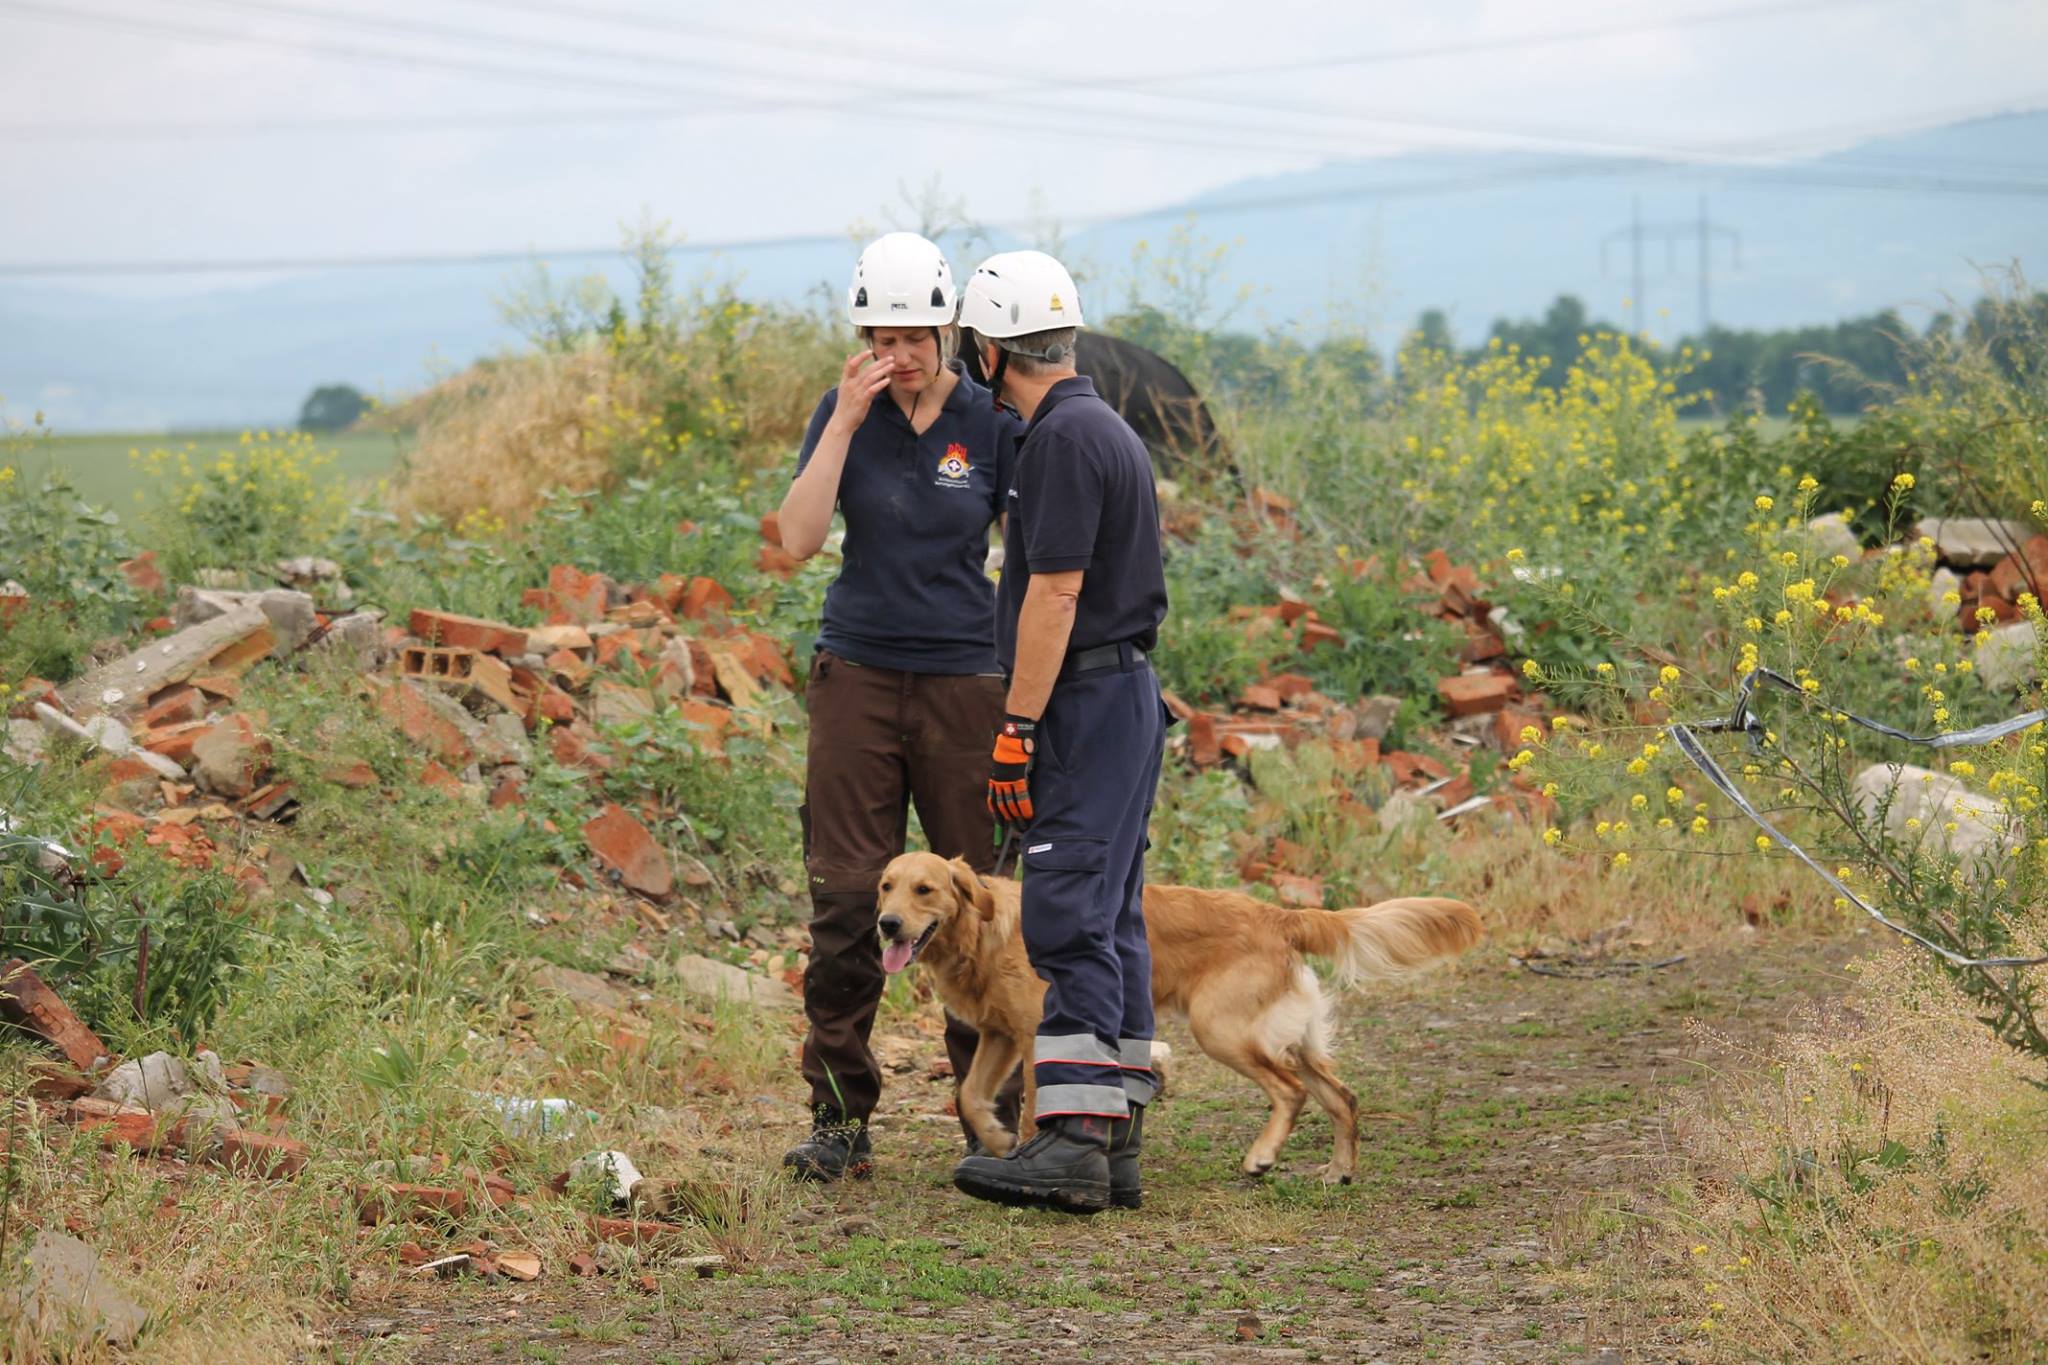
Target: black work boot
[[837, 1146], [1065, 1167], [1125, 1137]]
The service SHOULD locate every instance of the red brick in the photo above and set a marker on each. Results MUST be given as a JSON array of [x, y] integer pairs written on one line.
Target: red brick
[[129, 768], [1316, 634], [1290, 686], [28, 692], [703, 598], [405, 707], [1508, 726], [1481, 645], [224, 686], [352, 775], [637, 1230], [467, 632], [29, 1003], [579, 598], [175, 741], [1297, 890], [1259, 698], [570, 745], [1203, 745], [142, 573], [510, 791], [1236, 745], [611, 649], [556, 706], [439, 778], [703, 673], [570, 669], [12, 605], [174, 705], [712, 722], [1410, 769], [774, 560], [624, 848], [261, 1154], [410, 1201], [1474, 694], [764, 655]]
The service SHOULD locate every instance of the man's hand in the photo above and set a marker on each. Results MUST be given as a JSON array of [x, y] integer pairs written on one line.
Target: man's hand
[[1009, 774]]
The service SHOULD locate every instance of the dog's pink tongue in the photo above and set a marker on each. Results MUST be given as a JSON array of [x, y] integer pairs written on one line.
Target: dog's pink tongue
[[896, 956]]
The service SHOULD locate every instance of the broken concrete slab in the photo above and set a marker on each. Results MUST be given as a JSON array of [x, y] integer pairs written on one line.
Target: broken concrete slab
[[226, 644], [584, 988], [66, 1294], [1919, 805], [357, 637], [1973, 542], [160, 1081], [723, 981], [291, 613], [2008, 660]]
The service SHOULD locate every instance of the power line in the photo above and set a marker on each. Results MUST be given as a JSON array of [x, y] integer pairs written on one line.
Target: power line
[[572, 81], [1129, 85], [1226, 208]]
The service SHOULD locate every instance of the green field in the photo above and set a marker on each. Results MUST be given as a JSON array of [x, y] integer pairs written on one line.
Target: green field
[[98, 465]]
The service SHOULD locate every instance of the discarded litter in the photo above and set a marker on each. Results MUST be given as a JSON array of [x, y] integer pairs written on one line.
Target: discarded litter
[[548, 1117]]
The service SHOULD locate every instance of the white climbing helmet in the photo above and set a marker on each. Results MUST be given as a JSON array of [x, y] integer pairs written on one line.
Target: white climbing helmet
[[1016, 293], [901, 280]]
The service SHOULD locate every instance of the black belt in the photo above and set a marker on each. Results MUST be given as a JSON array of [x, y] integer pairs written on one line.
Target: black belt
[[1123, 655]]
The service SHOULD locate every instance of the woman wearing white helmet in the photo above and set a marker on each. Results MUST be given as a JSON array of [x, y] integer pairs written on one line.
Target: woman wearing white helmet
[[904, 691]]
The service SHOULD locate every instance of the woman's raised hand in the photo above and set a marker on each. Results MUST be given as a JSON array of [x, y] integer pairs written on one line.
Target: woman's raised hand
[[858, 385]]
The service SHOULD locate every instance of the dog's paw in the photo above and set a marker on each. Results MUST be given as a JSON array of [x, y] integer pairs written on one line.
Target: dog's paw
[[1255, 1166], [1333, 1176]]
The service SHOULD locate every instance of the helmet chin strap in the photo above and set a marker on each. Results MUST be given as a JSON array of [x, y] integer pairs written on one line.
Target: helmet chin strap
[[995, 377]]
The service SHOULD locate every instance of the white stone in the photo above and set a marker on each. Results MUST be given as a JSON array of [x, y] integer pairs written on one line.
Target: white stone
[[1939, 586], [1936, 801], [2008, 660], [65, 1290], [1832, 535], [707, 976], [1974, 542]]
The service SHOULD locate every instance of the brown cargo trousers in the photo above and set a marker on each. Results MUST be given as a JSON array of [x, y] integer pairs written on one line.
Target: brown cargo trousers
[[882, 739]]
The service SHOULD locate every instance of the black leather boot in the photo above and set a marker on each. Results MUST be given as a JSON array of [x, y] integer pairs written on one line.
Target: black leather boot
[[837, 1147], [1125, 1138], [1065, 1167]]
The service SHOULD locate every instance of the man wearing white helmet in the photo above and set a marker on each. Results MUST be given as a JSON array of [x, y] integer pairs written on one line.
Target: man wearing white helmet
[[904, 690], [1077, 759]]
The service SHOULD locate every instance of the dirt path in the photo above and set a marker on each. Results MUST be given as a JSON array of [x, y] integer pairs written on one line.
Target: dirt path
[[1512, 1125]]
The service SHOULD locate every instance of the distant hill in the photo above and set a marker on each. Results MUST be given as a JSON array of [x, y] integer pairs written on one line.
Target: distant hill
[[1884, 224]]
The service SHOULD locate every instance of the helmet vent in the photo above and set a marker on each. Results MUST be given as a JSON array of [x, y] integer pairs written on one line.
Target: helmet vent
[[938, 297], [860, 300]]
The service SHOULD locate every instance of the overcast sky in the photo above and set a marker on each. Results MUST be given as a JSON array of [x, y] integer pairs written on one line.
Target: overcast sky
[[235, 129]]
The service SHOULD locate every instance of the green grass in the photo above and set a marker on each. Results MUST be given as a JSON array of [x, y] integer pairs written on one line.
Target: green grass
[[98, 464]]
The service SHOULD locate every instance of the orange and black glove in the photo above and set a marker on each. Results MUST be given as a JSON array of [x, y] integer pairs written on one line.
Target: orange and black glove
[[1009, 774]]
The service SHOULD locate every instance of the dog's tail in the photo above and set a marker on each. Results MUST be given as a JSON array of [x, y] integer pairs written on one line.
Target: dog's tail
[[1391, 939]]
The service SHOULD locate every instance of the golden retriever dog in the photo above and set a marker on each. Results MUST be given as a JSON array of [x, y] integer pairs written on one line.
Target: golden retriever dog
[[1232, 967]]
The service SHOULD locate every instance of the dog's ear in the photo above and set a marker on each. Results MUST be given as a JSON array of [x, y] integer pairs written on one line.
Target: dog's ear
[[972, 891]]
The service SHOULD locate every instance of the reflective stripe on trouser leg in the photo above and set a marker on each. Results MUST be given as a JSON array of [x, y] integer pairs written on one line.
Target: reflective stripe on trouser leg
[[1135, 1061], [1134, 950], [1099, 752]]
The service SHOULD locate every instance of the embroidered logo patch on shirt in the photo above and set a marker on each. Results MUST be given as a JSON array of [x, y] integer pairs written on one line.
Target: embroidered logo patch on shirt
[[956, 467]]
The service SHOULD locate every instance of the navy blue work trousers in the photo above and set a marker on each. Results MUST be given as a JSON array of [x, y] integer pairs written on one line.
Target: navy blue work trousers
[[1100, 743]]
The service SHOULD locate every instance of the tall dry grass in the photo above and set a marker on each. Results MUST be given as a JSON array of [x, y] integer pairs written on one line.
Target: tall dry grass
[[497, 437], [1873, 1187]]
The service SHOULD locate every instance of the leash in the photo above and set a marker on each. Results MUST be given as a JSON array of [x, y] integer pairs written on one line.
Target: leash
[[1744, 721], [1003, 853]]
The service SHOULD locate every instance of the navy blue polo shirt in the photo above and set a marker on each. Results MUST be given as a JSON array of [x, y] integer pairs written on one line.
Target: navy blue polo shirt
[[911, 592], [1084, 499]]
